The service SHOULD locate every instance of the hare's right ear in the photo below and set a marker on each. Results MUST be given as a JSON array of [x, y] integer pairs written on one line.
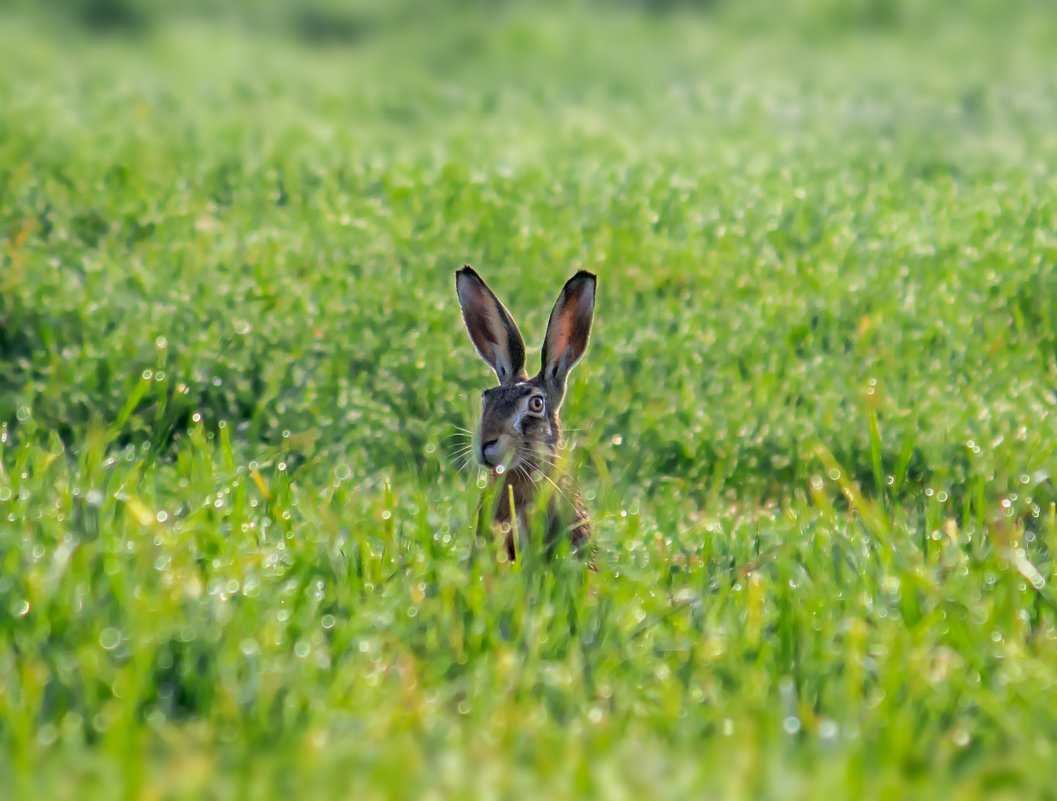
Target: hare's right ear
[[492, 329]]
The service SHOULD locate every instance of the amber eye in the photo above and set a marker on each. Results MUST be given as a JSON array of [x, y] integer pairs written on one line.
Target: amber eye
[[536, 403]]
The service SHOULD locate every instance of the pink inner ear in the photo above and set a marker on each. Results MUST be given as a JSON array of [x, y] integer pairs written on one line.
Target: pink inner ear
[[477, 309], [564, 334], [570, 323]]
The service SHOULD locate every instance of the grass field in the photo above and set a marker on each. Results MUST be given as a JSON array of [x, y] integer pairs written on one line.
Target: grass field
[[815, 427]]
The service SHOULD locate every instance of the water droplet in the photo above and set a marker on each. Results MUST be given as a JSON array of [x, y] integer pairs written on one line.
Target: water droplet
[[281, 467], [47, 734], [242, 327], [791, 724], [386, 514], [162, 516], [22, 413], [327, 621], [161, 343], [147, 375], [499, 469], [617, 439], [249, 646], [110, 638], [94, 498], [20, 608]]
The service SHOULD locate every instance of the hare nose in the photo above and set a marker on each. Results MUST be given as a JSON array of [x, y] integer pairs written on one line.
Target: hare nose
[[490, 451]]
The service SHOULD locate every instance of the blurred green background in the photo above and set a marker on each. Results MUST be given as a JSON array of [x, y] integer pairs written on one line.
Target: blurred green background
[[815, 425]]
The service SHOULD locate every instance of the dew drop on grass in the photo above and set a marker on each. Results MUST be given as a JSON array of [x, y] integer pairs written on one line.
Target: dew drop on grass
[[827, 729], [791, 724], [327, 621], [5, 494], [499, 469], [20, 608], [249, 646], [161, 343], [110, 638], [23, 413]]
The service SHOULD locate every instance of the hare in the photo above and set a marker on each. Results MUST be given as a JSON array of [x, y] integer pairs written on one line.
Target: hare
[[520, 432]]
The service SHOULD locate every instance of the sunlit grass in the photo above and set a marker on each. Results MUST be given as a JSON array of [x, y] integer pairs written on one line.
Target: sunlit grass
[[814, 426]]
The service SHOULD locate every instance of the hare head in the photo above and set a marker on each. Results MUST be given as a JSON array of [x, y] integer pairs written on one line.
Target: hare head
[[520, 431]]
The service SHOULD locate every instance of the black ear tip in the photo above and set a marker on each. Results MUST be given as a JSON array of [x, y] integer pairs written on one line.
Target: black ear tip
[[466, 271], [584, 275]]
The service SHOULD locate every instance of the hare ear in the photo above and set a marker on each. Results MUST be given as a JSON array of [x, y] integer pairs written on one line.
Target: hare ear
[[492, 329], [567, 332]]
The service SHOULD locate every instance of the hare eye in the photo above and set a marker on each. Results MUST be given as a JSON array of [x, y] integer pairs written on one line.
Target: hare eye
[[536, 403]]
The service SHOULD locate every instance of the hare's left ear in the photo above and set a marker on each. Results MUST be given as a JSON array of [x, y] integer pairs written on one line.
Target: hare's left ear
[[492, 328], [567, 333]]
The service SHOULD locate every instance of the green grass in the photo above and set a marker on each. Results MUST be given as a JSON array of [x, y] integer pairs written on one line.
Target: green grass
[[815, 425]]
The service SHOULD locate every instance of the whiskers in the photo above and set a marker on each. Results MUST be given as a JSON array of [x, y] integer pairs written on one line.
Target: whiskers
[[460, 451], [537, 467]]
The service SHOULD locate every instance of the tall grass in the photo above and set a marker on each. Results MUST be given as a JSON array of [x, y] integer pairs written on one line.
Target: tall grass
[[815, 425]]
